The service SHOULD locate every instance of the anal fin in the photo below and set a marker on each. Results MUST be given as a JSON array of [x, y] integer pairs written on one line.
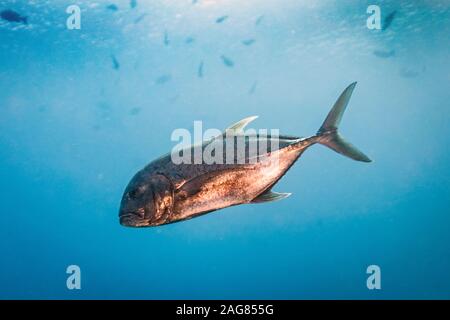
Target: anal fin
[[269, 196]]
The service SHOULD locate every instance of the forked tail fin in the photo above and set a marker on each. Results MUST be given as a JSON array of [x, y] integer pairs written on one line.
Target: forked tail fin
[[328, 134]]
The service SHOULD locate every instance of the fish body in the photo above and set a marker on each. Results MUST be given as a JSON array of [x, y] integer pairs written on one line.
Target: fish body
[[388, 20], [189, 40], [259, 20], [163, 79], [135, 111], [13, 16], [115, 62], [384, 54], [221, 19], [248, 42], [227, 61], [166, 40], [212, 187], [253, 88], [200, 70], [408, 73], [140, 18], [112, 7], [166, 191]]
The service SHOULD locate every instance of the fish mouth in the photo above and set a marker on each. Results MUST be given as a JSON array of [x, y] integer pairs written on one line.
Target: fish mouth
[[131, 220]]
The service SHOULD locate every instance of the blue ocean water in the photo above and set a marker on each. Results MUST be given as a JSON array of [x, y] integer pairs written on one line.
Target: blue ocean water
[[82, 110]]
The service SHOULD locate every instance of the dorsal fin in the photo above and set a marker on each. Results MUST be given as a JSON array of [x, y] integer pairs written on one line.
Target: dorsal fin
[[239, 126], [269, 196]]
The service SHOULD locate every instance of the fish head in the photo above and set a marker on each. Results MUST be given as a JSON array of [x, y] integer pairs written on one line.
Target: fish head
[[147, 201]]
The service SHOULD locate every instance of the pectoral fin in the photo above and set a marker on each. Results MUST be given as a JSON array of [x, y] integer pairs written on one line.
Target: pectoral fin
[[270, 196]]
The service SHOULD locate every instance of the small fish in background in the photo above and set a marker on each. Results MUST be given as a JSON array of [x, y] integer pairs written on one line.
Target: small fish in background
[[248, 42], [103, 110], [166, 38], [133, 4], [112, 7], [221, 19], [104, 106], [115, 62], [163, 79], [408, 73], [140, 18], [227, 61], [388, 20], [189, 40], [200, 70], [135, 111], [194, 1], [13, 16], [253, 88], [174, 99], [384, 54], [259, 20]]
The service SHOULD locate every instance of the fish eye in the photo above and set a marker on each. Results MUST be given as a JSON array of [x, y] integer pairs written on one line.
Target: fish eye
[[132, 194], [135, 193]]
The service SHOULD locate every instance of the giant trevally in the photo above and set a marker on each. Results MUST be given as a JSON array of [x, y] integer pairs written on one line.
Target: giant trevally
[[165, 192]]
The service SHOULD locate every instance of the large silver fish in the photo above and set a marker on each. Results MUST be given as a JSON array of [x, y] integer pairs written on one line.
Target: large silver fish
[[164, 192]]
